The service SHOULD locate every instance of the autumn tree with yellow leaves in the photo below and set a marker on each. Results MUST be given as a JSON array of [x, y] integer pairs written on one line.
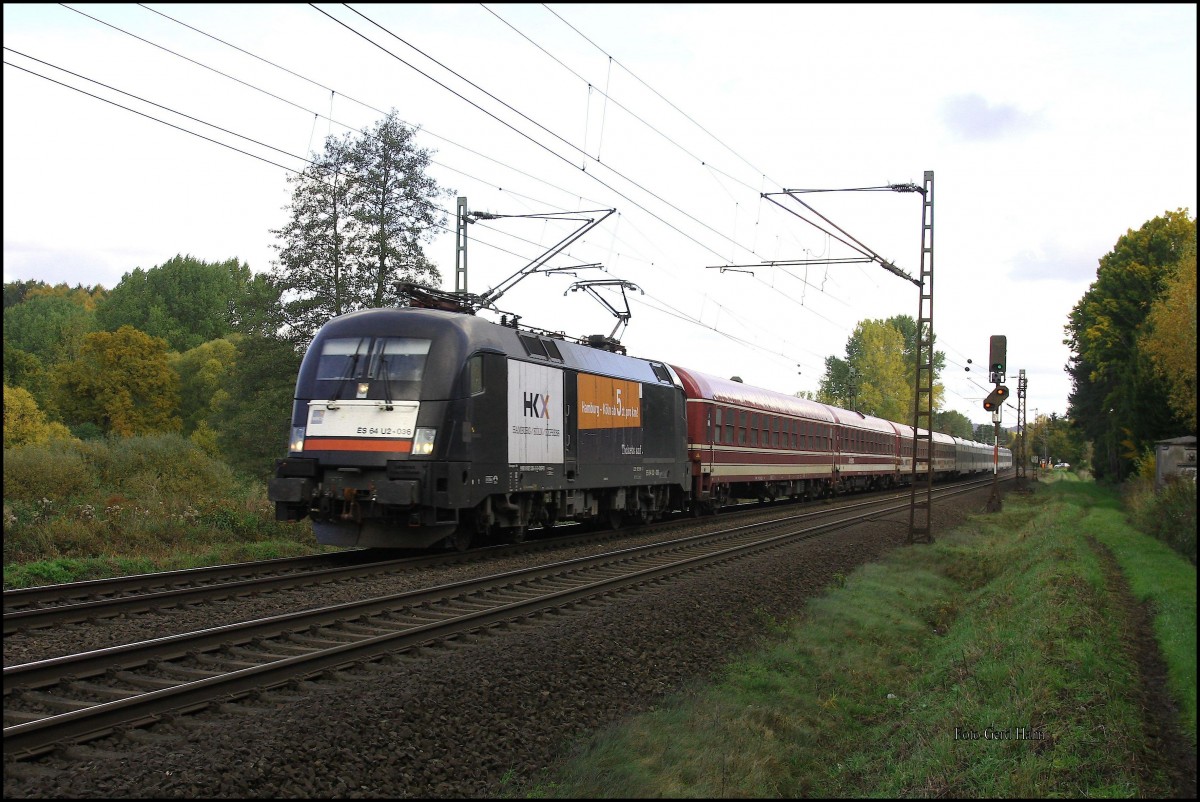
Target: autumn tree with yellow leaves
[[122, 382], [1170, 339]]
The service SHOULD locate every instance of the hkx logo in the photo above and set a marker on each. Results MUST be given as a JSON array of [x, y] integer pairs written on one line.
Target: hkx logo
[[537, 405]]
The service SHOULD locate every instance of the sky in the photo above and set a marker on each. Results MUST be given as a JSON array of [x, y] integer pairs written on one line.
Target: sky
[[1050, 131]]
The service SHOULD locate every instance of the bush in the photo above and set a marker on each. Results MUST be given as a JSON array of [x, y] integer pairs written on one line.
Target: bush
[[58, 473], [1168, 515]]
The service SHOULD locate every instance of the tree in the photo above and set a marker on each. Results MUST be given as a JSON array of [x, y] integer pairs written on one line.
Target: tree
[[883, 389], [185, 300], [87, 297], [122, 383], [877, 375], [255, 410], [953, 423], [25, 424], [50, 327], [834, 387], [1055, 439], [23, 369], [1118, 394], [391, 203], [201, 371], [1170, 339], [358, 218], [15, 291]]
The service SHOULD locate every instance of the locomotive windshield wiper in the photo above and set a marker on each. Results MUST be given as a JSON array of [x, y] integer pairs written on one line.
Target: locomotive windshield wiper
[[387, 383], [349, 373]]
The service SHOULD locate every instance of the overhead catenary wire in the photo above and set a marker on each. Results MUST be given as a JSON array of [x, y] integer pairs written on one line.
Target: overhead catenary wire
[[503, 122], [656, 92], [527, 136], [504, 233], [315, 83], [225, 130]]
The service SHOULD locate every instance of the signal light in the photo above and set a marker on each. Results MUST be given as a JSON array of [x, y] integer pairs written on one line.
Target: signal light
[[995, 398], [997, 354]]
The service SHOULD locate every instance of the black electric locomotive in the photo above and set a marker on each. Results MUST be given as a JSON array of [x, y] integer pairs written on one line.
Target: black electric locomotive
[[412, 427]]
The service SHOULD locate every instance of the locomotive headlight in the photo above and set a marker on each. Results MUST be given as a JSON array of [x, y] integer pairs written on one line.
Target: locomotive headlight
[[423, 440], [297, 442]]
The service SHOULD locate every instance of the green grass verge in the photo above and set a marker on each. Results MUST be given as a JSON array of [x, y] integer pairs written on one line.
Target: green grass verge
[[79, 569], [989, 664]]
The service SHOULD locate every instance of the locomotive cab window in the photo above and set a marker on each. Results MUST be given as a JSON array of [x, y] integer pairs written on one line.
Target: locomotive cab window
[[340, 357], [398, 359], [390, 358], [475, 375]]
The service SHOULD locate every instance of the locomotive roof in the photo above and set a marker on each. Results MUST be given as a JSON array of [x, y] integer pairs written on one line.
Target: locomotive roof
[[471, 333], [702, 385]]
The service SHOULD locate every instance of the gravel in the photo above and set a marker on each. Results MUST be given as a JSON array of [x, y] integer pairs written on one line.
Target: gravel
[[468, 720]]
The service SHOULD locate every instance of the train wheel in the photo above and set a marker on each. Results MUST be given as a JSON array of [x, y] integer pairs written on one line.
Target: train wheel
[[518, 534], [614, 519], [461, 539]]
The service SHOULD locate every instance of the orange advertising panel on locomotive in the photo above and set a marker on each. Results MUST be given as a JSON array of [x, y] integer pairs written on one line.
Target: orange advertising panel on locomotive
[[606, 403]]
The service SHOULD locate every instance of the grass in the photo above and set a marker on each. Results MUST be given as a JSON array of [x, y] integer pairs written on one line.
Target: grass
[[991, 663], [93, 509]]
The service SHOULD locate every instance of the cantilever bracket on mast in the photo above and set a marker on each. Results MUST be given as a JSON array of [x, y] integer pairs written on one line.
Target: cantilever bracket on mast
[[488, 298]]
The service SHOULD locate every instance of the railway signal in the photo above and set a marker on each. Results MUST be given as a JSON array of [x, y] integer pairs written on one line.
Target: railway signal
[[995, 398], [997, 357]]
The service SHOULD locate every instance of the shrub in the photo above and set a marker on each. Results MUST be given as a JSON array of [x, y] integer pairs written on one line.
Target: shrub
[[56, 472], [1169, 515]]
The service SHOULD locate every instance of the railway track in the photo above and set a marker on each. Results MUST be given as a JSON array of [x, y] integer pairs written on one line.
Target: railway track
[[83, 696], [54, 605]]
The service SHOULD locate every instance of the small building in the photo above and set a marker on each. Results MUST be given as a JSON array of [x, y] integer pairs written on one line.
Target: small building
[[1174, 457]]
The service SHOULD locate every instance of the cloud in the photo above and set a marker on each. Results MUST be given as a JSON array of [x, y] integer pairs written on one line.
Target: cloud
[[1051, 262], [972, 118], [52, 264]]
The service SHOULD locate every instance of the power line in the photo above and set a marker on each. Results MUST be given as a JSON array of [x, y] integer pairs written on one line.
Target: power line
[[614, 101], [149, 117], [527, 136], [657, 93], [263, 144], [316, 83]]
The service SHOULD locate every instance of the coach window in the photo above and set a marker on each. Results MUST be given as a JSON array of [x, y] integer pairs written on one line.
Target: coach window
[[729, 413], [714, 432], [741, 428]]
